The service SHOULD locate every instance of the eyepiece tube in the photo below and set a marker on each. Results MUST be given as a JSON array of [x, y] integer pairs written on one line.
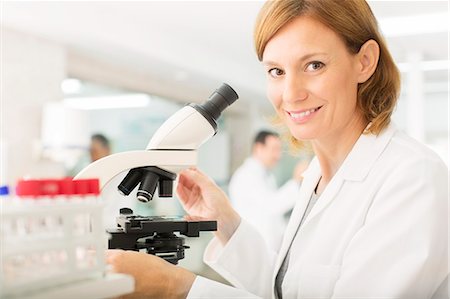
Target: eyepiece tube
[[221, 98]]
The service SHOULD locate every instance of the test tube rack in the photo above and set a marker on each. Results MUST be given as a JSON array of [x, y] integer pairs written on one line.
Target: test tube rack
[[51, 234]]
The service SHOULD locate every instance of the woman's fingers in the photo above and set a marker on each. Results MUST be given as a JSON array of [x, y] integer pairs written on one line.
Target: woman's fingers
[[185, 179], [188, 197], [192, 176], [111, 254], [190, 183], [112, 258], [182, 191]]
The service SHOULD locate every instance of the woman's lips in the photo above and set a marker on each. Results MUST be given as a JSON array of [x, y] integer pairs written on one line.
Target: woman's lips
[[303, 115]]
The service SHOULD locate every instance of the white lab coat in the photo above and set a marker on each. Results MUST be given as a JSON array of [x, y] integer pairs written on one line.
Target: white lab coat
[[254, 194], [378, 230]]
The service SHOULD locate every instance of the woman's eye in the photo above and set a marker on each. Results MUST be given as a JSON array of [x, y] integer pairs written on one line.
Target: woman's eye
[[275, 72], [314, 66]]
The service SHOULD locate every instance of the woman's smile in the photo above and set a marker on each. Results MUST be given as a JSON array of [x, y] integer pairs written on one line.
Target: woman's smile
[[303, 116]]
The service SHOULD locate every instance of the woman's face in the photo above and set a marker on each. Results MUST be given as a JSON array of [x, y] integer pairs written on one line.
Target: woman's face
[[312, 80]]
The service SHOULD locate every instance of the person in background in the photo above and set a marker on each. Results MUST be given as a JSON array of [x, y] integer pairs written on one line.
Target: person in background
[[100, 147], [372, 217], [254, 193]]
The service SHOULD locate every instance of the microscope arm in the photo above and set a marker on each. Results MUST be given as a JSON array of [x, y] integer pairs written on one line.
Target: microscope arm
[[172, 148], [108, 167]]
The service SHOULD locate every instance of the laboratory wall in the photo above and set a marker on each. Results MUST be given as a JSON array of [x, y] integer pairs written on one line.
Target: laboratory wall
[[32, 71]]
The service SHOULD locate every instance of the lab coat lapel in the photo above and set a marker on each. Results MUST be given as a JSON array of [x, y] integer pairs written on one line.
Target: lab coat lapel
[[355, 167], [326, 197], [312, 176]]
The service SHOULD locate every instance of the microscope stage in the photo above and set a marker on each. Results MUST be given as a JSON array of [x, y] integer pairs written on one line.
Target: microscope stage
[[149, 225]]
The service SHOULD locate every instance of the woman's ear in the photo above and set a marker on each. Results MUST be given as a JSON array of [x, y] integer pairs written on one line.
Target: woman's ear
[[367, 60]]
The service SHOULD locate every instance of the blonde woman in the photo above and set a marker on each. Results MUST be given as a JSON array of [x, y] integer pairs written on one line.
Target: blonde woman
[[371, 219]]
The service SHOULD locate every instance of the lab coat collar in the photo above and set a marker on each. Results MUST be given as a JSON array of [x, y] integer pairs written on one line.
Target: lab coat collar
[[355, 167], [364, 153]]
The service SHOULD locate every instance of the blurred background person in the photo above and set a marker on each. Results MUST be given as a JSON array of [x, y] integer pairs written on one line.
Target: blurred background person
[[254, 192], [100, 147]]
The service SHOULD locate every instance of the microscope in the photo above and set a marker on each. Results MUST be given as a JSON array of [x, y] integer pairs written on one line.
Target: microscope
[[172, 148]]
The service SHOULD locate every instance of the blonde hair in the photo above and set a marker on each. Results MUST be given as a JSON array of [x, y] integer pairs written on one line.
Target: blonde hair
[[354, 22]]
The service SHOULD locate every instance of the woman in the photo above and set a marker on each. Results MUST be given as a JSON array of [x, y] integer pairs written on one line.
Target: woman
[[371, 220]]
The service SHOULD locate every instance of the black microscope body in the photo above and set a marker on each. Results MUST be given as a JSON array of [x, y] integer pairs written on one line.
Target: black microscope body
[[156, 234]]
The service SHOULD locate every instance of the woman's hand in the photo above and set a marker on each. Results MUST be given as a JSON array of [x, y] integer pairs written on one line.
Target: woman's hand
[[200, 196], [154, 277]]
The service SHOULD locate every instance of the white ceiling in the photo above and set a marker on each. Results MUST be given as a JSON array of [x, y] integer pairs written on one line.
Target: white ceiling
[[189, 42]]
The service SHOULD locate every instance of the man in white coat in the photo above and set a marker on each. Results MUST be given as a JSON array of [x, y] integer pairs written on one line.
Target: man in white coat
[[254, 192]]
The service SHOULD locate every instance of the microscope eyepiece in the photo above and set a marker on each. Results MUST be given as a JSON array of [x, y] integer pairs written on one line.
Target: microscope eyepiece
[[220, 99], [223, 97]]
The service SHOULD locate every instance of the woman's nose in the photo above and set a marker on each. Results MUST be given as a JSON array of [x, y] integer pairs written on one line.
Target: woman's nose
[[294, 89]]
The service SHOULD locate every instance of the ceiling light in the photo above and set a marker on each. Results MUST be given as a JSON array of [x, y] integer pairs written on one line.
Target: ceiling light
[[108, 102], [431, 65], [71, 86], [414, 25]]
